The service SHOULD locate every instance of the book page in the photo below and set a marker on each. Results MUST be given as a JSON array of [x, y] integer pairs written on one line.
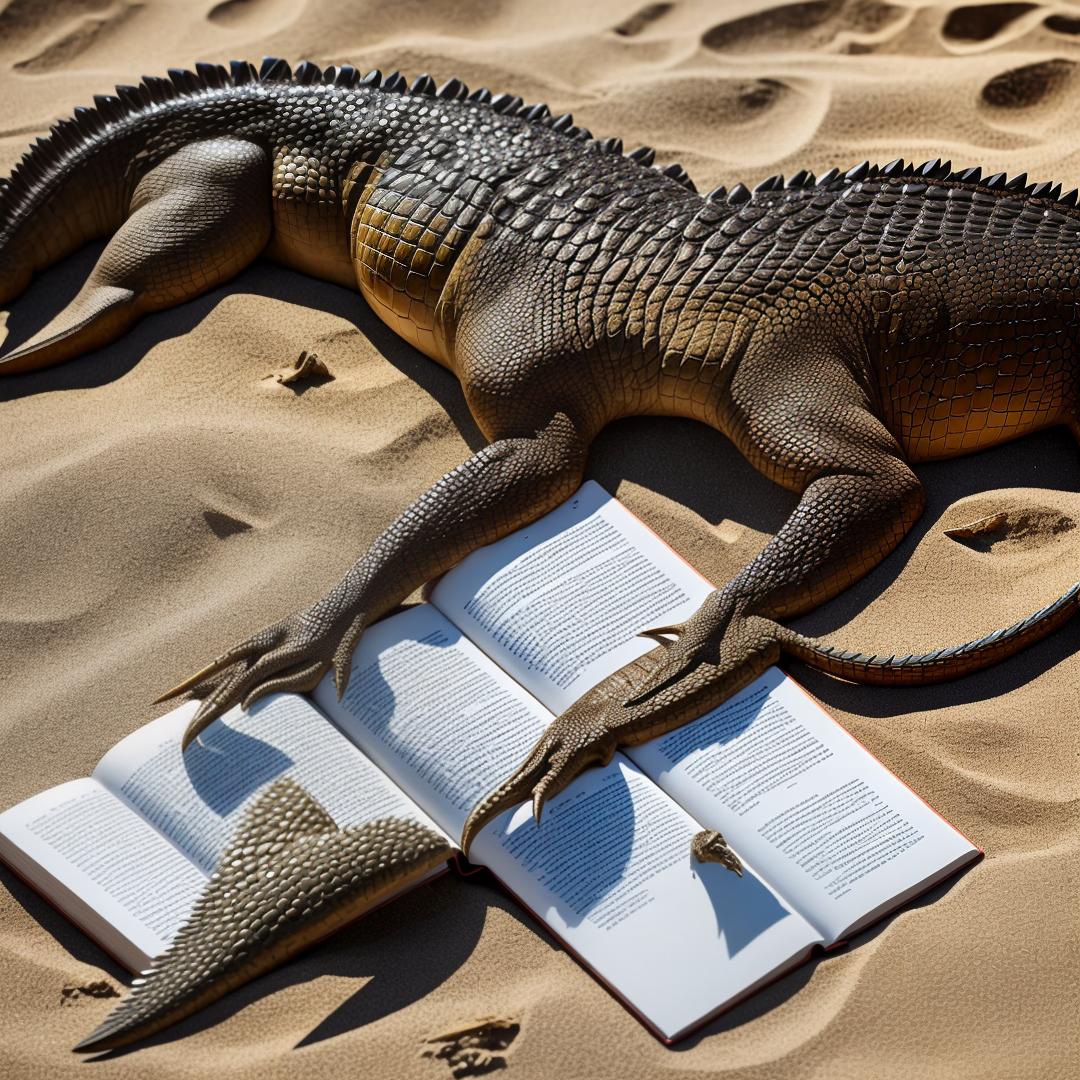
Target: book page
[[199, 797], [609, 869], [821, 818], [559, 603], [104, 866], [434, 713]]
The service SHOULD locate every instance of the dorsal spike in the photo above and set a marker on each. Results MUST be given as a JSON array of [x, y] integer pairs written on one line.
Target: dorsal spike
[[423, 84], [771, 183], [718, 194], [481, 96], [307, 73], [132, 96], [346, 76], [1069, 198], [536, 112], [506, 103], [859, 172], [644, 155], [582, 134], [562, 123], [158, 88], [1054, 193], [894, 168], [329, 75], [373, 78], [240, 72], [86, 118], [108, 106], [943, 170], [278, 71], [995, 181], [928, 168], [1017, 182], [208, 73], [452, 89], [738, 195], [1039, 191], [970, 176], [395, 83], [799, 179], [612, 146], [827, 178]]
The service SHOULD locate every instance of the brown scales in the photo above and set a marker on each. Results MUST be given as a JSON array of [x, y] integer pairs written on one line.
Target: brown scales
[[835, 328]]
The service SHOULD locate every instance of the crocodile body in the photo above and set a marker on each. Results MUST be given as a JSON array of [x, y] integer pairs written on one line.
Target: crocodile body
[[836, 329]]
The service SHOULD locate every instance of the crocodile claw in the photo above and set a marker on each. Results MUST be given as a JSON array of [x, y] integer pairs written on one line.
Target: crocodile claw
[[576, 739], [290, 656]]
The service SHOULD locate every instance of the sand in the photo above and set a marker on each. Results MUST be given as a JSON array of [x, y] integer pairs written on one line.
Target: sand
[[163, 498]]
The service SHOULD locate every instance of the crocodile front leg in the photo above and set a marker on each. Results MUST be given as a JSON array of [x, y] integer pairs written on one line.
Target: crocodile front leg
[[506, 485], [858, 501]]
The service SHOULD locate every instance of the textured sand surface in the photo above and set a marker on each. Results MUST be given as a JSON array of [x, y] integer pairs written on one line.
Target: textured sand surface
[[162, 498]]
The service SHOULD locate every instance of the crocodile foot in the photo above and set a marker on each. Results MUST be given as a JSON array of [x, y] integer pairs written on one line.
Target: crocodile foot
[[714, 654], [291, 655]]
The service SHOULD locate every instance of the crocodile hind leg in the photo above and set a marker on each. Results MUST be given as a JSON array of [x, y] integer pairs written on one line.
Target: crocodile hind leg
[[858, 499], [195, 220], [506, 485]]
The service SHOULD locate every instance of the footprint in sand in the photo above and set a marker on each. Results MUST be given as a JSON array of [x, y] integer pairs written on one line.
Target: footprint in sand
[[1063, 24], [982, 22], [98, 22], [73, 993], [1022, 87], [1022, 528], [252, 14], [476, 1049], [642, 19], [813, 24]]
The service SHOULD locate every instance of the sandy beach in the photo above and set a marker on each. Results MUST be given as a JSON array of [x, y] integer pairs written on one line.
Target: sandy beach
[[163, 498]]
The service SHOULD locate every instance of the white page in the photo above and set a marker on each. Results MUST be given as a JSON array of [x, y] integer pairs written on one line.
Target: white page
[[559, 603], [814, 811], [103, 866], [199, 797], [434, 713], [608, 869]]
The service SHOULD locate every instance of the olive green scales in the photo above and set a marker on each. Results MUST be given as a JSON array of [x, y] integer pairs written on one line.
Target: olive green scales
[[836, 329]]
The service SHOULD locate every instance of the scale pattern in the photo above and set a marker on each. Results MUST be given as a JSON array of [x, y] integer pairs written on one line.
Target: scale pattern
[[288, 878], [838, 329]]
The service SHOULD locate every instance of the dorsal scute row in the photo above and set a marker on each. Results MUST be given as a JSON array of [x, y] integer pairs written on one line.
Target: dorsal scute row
[[153, 91], [917, 177]]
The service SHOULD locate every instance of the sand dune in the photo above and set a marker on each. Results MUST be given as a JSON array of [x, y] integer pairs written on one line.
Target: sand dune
[[162, 498]]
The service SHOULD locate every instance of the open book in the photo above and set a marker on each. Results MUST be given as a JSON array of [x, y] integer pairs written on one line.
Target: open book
[[445, 700]]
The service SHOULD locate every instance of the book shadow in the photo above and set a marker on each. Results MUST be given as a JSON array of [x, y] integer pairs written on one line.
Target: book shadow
[[78, 945], [771, 997]]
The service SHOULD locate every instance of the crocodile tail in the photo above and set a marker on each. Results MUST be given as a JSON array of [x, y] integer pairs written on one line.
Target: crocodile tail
[[941, 664], [71, 187]]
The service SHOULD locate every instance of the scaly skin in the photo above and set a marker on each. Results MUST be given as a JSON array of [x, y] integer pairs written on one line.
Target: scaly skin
[[288, 878], [710, 846], [837, 330]]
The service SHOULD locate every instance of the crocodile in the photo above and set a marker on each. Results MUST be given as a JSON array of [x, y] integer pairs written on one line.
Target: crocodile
[[837, 329], [288, 878]]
